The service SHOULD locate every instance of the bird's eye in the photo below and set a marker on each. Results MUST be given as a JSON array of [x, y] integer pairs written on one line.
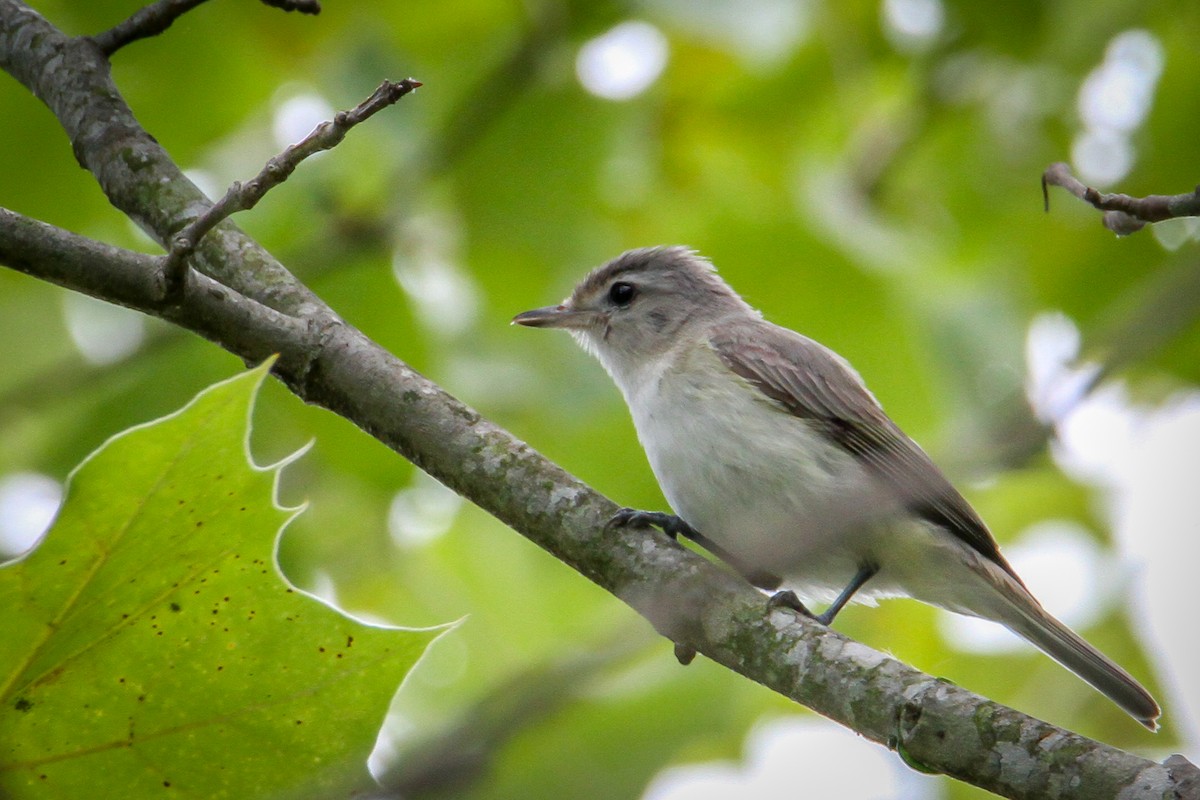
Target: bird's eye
[[621, 293]]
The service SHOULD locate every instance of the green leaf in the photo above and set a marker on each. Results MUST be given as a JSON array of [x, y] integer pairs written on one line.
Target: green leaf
[[152, 647]]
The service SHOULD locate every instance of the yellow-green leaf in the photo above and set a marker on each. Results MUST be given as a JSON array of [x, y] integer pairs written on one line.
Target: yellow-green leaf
[[152, 648]]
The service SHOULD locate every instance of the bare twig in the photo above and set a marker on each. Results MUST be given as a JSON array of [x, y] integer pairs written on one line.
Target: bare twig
[[244, 196], [303, 6], [157, 17], [1123, 214], [73, 78], [144, 23]]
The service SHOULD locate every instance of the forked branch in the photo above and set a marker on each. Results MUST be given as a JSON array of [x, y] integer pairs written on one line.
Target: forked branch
[[244, 196], [1123, 214]]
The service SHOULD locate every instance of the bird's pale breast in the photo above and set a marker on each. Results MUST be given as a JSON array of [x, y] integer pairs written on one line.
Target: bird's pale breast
[[760, 482]]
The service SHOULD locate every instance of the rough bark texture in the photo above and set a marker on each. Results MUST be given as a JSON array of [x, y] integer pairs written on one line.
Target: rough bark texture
[[241, 298]]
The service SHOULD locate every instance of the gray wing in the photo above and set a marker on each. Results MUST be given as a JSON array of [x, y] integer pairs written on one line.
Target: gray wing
[[814, 383]]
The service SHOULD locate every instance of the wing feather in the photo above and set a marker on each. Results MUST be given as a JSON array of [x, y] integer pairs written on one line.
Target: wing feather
[[814, 383]]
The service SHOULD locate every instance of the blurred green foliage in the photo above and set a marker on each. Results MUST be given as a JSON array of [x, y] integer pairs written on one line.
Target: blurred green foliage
[[881, 199]]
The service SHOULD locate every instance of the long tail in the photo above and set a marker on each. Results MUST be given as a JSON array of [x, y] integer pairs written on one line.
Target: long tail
[[1024, 616]]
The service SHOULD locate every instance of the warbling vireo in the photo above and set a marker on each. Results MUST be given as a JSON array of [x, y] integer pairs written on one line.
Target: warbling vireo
[[779, 460]]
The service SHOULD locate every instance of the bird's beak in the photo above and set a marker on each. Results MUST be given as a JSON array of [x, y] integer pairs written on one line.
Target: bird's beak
[[560, 316]]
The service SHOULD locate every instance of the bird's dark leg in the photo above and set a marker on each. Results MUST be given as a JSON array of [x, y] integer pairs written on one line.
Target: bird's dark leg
[[864, 574], [788, 599], [675, 527]]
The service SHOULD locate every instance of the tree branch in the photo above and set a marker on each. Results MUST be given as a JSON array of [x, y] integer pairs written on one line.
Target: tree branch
[[303, 6], [244, 196], [157, 17], [135, 280], [327, 362], [71, 76], [1123, 214], [144, 23]]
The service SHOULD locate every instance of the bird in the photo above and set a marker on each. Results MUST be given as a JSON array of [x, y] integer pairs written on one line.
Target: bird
[[775, 457]]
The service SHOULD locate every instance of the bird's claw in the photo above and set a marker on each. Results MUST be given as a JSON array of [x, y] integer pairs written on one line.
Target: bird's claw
[[786, 598], [669, 524], [675, 527]]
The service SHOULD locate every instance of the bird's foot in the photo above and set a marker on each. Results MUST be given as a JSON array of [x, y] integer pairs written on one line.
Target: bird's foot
[[788, 599], [675, 527], [669, 524]]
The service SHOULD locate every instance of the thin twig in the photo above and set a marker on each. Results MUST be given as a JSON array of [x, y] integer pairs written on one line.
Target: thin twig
[[145, 22], [157, 17], [303, 6], [72, 76], [1123, 214], [244, 196]]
